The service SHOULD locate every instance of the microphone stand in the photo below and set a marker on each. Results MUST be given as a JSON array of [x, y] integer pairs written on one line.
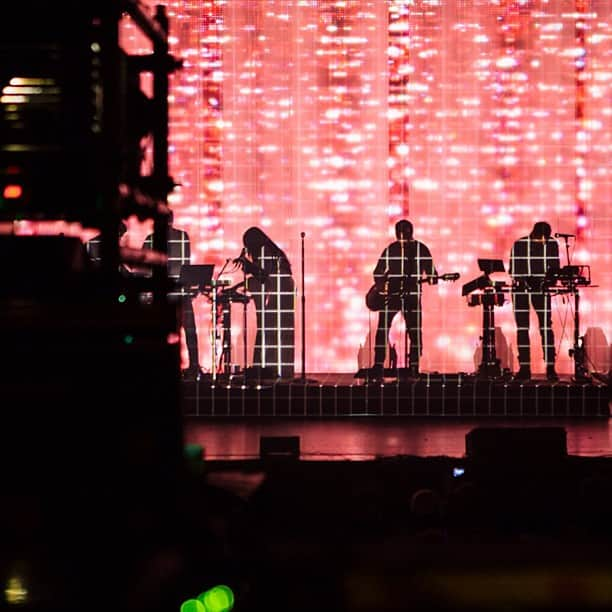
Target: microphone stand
[[244, 323], [302, 236], [244, 330], [567, 249], [577, 352], [215, 295], [303, 380]]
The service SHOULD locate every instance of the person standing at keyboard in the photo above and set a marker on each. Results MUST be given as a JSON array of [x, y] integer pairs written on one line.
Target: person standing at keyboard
[[179, 253], [532, 258]]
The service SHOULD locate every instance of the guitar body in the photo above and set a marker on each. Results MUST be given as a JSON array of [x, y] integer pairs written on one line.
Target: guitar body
[[377, 301]]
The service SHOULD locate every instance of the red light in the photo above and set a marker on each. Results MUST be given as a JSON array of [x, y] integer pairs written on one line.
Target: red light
[[173, 338], [12, 192]]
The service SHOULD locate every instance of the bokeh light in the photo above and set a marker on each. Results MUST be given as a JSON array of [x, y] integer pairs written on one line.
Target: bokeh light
[[218, 599], [193, 605], [473, 119]]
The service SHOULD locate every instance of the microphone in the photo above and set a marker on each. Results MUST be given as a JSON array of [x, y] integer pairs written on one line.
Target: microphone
[[558, 235], [241, 256]]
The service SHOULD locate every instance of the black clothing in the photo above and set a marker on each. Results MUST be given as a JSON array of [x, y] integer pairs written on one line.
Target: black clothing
[[94, 250], [179, 254], [272, 288], [179, 250], [398, 271], [530, 261]]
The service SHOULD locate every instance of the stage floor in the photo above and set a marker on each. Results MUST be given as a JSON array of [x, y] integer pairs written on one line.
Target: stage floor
[[432, 395], [372, 437]]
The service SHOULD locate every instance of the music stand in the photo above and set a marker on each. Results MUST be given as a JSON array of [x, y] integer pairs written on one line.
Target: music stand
[[488, 266]]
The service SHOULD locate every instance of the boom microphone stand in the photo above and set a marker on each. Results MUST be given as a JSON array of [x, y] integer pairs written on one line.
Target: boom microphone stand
[[577, 352]]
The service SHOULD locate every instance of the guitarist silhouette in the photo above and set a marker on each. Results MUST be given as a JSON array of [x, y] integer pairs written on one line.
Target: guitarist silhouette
[[398, 275]]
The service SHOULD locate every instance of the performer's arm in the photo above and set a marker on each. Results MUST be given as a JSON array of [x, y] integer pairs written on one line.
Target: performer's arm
[[553, 264], [251, 268], [186, 249], [381, 269], [517, 266], [427, 264], [512, 265]]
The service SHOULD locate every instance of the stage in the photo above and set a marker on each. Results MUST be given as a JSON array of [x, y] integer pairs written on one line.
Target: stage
[[370, 438], [432, 395]]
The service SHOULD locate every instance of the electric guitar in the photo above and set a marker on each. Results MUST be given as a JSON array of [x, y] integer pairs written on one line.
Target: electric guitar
[[377, 300]]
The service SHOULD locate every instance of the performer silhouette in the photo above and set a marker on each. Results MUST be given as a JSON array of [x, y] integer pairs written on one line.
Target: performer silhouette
[[94, 247], [531, 259], [271, 285], [179, 253], [397, 274]]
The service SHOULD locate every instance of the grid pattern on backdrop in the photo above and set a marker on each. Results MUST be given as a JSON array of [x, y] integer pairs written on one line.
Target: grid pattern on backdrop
[[472, 119]]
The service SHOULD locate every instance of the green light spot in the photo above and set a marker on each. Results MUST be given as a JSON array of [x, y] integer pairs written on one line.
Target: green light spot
[[122, 298], [128, 339], [218, 599], [192, 605], [193, 451]]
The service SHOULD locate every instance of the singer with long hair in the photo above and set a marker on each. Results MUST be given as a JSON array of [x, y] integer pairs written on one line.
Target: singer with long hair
[[271, 286]]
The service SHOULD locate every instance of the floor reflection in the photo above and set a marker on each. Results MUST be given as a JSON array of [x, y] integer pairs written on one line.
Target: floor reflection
[[367, 438]]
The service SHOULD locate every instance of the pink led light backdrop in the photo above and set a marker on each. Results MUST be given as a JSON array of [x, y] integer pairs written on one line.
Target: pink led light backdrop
[[337, 118]]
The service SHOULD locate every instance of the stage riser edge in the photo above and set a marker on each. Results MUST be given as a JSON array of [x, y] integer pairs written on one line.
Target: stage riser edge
[[480, 399]]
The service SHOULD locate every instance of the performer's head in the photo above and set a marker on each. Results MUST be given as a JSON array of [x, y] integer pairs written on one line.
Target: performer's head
[[253, 239], [541, 231], [403, 230]]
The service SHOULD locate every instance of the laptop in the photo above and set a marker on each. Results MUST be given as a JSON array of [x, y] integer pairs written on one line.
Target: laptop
[[196, 275]]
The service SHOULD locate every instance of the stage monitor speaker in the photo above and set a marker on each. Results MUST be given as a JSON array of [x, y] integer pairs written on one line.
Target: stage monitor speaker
[[266, 373], [516, 444], [279, 447]]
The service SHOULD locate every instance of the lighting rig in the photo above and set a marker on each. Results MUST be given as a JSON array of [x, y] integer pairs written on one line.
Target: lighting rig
[[75, 121], [77, 344]]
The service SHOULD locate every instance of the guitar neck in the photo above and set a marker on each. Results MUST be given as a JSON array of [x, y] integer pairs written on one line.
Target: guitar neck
[[453, 276]]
